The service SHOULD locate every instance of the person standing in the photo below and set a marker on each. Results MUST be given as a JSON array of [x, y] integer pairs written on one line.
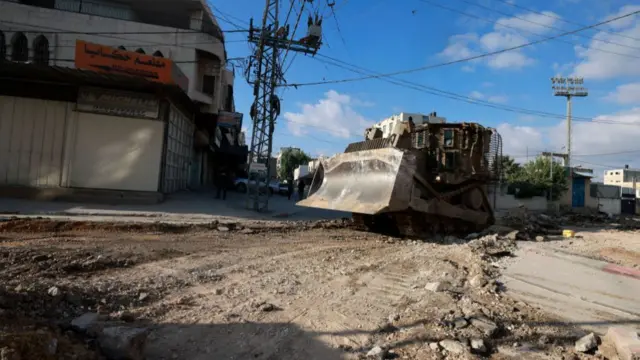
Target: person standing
[[289, 188], [222, 183], [300, 189]]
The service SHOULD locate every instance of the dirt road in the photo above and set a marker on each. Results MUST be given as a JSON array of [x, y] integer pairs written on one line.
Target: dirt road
[[295, 291]]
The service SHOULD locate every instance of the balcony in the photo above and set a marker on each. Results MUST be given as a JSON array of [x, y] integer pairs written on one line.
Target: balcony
[[175, 13]]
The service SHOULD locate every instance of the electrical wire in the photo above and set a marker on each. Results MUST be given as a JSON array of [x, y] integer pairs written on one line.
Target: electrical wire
[[513, 4], [464, 59], [223, 16], [497, 23], [338, 26], [293, 34], [544, 25], [454, 96]]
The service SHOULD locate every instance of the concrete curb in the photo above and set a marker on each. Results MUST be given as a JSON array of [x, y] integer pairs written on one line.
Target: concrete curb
[[621, 270]]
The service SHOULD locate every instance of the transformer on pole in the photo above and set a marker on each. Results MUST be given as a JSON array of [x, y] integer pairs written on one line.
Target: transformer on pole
[[265, 74]]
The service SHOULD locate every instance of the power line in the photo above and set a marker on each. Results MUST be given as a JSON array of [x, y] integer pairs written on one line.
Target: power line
[[223, 16], [337, 25], [542, 25], [464, 59], [454, 96], [510, 3]]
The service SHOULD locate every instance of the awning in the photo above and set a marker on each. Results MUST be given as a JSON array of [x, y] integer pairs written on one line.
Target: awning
[[582, 174], [16, 71]]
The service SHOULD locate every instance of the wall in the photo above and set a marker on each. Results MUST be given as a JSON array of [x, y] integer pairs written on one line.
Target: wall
[[178, 45], [32, 141], [505, 202], [609, 206], [116, 153]]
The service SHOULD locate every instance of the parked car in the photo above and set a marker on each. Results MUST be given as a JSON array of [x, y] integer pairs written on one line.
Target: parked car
[[241, 185]]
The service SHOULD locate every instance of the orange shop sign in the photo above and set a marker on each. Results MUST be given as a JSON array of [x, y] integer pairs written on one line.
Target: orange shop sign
[[105, 59]]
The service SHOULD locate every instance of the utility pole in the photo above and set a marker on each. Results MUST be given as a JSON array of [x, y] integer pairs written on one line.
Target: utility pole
[[551, 176], [568, 87], [265, 74]]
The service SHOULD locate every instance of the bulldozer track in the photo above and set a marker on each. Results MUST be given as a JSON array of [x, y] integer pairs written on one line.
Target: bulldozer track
[[417, 225]]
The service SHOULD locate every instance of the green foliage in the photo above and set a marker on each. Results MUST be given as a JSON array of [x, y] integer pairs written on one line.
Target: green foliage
[[534, 179], [509, 168], [290, 160]]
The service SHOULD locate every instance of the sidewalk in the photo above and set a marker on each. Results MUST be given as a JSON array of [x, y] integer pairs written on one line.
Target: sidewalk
[[192, 207]]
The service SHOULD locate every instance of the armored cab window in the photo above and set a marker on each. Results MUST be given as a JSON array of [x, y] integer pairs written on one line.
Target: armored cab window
[[448, 138]]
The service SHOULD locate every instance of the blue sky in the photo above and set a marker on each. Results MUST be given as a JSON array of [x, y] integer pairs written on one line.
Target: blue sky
[[388, 36]]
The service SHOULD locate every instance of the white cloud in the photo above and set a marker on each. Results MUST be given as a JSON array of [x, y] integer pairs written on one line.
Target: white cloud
[[504, 35], [517, 141], [335, 115], [498, 99], [597, 64], [625, 94], [531, 22], [596, 145]]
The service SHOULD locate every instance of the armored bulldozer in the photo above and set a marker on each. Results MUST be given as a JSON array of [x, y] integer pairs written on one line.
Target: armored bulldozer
[[414, 180]]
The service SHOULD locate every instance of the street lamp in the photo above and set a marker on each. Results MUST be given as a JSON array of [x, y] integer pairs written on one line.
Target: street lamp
[[569, 87]]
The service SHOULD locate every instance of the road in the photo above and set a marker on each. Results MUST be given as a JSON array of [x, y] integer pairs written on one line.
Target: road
[[573, 287], [182, 208]]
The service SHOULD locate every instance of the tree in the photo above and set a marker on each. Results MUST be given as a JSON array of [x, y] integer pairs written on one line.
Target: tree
[[534, 179], [289, 161], [509, 168]]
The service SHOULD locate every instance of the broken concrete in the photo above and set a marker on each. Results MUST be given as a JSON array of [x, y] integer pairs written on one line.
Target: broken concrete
[[123, 343], [626, 342], [587, 343]]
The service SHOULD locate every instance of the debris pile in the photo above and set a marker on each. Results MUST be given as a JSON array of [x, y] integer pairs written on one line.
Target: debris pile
[[530, 225]]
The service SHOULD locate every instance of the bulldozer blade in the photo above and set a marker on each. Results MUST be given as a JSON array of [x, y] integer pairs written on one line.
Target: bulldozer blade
[[365, 182]]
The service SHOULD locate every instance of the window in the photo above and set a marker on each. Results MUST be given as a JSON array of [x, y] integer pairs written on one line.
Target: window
[[3, 47], [19, 47], [208, 84], [158, 53], [41, 50], [448, 138], [140, 51], [450, 160]]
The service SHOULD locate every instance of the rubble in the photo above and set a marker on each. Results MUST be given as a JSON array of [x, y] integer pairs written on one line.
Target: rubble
[[437, 286], [120, 342], [478, 345], [587, 343], [453, 346]]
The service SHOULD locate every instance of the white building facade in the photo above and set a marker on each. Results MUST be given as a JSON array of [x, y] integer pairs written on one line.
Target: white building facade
[[68, 126], [184, 31]]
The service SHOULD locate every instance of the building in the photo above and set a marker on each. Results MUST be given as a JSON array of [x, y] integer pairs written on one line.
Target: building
[[184, 31], [387, 125], [625, 178], [107, 96]]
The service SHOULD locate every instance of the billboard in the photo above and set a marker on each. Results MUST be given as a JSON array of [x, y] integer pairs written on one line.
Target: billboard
[[230, 119], [105, 59]]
